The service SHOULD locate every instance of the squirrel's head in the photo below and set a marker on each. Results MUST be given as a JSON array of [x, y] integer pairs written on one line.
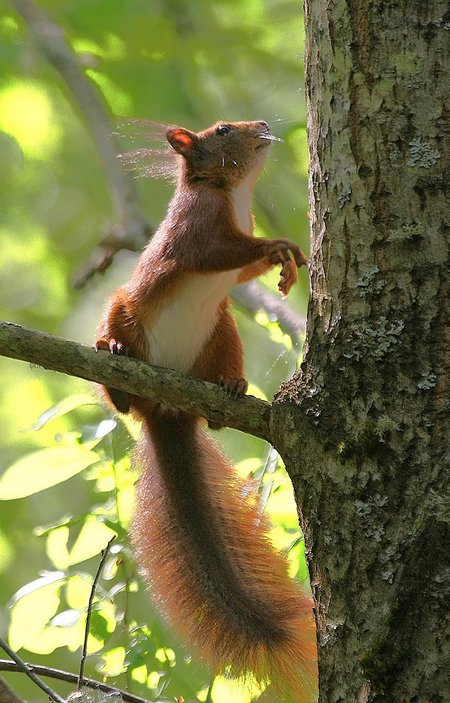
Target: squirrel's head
[[224, 154]]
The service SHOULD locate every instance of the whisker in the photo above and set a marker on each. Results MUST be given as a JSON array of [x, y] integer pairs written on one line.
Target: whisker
[[270, 137], [154, 163], [283, 120]]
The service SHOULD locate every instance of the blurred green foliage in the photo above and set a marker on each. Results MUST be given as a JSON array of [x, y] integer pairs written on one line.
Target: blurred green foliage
[[170, 61]]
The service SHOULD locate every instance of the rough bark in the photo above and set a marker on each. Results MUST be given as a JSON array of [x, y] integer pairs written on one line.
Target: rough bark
[[371, 400]]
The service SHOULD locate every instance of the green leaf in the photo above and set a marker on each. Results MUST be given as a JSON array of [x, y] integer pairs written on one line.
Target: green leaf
[[31, 613], [65, 618], [46, 579], [56, 547], [93, 537], [43, 469], [113, 661], [98, 626], [64, 406], [93, 434], [77, 591], [232, 690]]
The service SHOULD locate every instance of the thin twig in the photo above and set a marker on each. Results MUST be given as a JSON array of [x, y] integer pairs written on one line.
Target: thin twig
[[60, 675], [58, 53], [255, 297], [131, 229], [23, 666], [89, 611]]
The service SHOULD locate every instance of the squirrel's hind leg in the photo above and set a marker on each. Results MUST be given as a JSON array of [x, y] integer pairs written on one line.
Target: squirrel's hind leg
[[120, 333]]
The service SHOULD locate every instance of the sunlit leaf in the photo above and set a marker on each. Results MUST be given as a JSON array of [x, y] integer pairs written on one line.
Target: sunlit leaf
[[94, 644], [47, 578], [93, 537], [93, 434], [51, 638], [165, 654], [9, 25], [31, 612], [64, 406], [112, 46], [248, 466], [282, 507], [42, 469], [107, 610], [78, 590], [56, 547], [65, 520], [113, 661], [6, 552], [66, 618], [139, 674], [230, 690]]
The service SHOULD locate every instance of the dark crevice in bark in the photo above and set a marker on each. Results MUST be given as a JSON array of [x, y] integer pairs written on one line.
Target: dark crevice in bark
[[372, 396]]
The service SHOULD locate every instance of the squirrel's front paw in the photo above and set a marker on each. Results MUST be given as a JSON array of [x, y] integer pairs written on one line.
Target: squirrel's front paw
[[280, 250]]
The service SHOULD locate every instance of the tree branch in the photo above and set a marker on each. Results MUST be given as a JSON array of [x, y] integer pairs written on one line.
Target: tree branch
[[254, 297], [58, 53], [23, 666], [60, 675], [207, 400], [131, 229]]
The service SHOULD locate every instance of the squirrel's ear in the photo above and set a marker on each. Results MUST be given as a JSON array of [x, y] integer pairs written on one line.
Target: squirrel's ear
[[182, 140]]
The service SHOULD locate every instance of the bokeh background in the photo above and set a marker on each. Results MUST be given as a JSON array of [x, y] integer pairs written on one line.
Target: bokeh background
[[65, 481]]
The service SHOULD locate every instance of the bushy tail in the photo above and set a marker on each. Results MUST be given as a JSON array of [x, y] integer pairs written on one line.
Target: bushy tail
[[203, 546]]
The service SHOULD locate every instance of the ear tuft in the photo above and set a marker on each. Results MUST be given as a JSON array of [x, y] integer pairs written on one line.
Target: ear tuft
[[182, 140]]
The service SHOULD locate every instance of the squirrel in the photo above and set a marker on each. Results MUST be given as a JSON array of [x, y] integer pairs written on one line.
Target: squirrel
[[198, 536]]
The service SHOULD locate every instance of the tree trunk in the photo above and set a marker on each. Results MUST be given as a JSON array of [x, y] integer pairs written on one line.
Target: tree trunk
[[371, 401]]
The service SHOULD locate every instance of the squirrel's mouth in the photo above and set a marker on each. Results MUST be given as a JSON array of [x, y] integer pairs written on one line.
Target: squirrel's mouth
[[266, 138]]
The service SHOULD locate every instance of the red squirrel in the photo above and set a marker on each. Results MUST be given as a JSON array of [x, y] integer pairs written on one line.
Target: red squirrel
[[199, 538]]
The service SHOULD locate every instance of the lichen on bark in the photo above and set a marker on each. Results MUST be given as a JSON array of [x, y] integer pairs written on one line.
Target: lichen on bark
[[371, 400]]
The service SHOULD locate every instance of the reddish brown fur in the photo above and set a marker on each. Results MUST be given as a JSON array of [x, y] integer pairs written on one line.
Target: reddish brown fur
[[198, 534], [203, 544]]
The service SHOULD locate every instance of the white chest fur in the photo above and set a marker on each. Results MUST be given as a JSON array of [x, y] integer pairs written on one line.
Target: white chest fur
[[242, 197], [178, 334], [186, 323]]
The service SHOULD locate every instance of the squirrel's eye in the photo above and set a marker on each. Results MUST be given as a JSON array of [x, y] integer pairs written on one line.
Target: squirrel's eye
[[223, 129]]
